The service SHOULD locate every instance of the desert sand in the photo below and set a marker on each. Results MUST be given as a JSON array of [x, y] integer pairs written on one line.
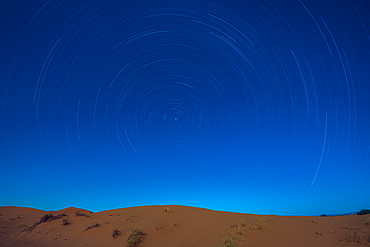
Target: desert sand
[[180, 226]]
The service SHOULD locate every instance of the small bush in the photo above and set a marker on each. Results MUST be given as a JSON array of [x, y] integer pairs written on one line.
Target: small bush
[[242, 222], [79, 213], [66, 222], [51, 217], [167, 210], [228, 242], [45, 218], [96, 225], [116, 233], [233, 225], [240, 231], [324, 215], [259, 223], [363, 212], [353, 237], [135, 237], [235, 232]]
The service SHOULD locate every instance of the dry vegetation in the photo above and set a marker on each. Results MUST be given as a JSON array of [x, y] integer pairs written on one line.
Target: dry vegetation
[[259, 223], [356, 237], [228, 242], [66, 222], [116, 233], [162, 224], [78, 213], [236, 232], [96, 225], [45, 218], [135, 237]]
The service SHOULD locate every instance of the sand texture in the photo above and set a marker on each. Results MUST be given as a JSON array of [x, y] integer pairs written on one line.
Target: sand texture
[[176, 226]]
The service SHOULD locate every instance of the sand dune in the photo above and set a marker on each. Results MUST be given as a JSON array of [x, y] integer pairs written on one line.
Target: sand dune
[[180, 226]]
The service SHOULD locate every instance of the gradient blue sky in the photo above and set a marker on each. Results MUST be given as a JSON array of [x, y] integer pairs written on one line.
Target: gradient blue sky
[[249, 106]]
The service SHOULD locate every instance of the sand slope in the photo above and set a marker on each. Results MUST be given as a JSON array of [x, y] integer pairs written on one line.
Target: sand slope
[[180, 227]]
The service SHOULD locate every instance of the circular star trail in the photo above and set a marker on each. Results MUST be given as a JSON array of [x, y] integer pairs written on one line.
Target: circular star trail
[[186, 94]]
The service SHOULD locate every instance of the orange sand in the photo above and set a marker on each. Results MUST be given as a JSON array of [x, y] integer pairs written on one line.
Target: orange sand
[[181, 227]]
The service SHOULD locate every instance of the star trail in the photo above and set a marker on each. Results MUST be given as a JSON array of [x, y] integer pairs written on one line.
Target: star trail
[[246, 106]]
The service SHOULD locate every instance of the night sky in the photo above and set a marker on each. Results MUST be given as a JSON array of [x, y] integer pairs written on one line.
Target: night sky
[[253, 106]]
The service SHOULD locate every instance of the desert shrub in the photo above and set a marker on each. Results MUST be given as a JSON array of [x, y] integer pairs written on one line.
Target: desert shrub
[[79, 213], [353, 237], [233, 225], [240, 231], [116, 233], [135, 237], [242, 222], [167, 210], [96, 225], [228, 242], [43, 219], [66, 222], [259, 223], [363, 212], [51, 217], [235, 232]]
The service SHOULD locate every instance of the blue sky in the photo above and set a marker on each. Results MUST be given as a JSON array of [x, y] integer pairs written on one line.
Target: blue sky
[[246, 106]]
